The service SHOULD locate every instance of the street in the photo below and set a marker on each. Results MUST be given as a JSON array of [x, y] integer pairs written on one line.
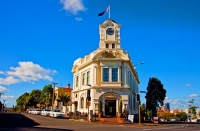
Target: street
[[30, 122]]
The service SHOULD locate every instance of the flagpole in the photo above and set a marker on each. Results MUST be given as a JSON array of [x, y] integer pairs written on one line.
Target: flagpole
[[109, 13]]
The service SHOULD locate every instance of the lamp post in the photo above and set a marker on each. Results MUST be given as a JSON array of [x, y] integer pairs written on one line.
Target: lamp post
[[139, 95], [54, 84], [141, 63], [88, 100]]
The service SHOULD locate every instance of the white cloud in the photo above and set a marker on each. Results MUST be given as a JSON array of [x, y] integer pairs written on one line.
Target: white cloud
[[167, 99], [193, 95], [188, 85], [3, 89], [78, 19], [27, 72], [9, 80], [11, 97], [1, 72], [73, 6]]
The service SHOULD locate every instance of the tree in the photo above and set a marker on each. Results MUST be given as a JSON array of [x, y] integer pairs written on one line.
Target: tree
[[63, 98], [155, 95], [143, 111], [34, 97], [192, 108], [46, 94], [22, 101]]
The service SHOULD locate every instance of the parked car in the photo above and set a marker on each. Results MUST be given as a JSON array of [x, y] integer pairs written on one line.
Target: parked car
[[56, 113], [198, 120], [37, 112], [45, 112], [173, 119], [29, 111], [33, 111]]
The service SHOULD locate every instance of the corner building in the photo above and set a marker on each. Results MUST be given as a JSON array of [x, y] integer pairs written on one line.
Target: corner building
[[108, 73]]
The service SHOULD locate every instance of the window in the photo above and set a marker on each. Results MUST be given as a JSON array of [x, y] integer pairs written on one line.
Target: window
[[96, 106], [82, 102], [76, 81], [114, 74], [105, 74], [107, 45], [113, 45], [83, 79], [88, 77]]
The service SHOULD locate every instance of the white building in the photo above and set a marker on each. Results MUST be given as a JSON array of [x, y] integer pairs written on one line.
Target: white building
[[108, 73]]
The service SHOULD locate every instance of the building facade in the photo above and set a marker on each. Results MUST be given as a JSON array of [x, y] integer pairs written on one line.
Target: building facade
[[58, 91], [167, 106], [108, 73]]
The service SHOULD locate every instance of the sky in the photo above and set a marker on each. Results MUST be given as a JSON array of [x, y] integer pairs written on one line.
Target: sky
[[40, 40]]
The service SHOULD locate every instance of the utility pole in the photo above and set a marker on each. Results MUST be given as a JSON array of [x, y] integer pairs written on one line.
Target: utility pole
[[3, 105], [54, 85], [1, 94]]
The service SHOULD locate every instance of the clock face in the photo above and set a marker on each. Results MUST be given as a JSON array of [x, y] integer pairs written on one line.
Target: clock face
[[110, 31]]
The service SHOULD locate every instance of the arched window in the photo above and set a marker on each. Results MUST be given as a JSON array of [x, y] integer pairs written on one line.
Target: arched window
[[82, 102]]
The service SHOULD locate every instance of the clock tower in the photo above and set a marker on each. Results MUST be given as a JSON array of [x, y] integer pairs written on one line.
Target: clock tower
[[109, 35]]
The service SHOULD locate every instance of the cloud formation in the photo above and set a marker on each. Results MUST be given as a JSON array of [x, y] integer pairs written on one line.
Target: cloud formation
[[78, 19], [3, 89], [6, 97], [193, 95], [188, 85], [73, 6], [27, 72], [1, 72]]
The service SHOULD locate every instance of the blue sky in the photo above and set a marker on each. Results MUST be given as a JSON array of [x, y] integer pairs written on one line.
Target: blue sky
[[40, 40]]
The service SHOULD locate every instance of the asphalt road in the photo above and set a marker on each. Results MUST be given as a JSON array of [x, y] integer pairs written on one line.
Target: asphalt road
[[30, 122]]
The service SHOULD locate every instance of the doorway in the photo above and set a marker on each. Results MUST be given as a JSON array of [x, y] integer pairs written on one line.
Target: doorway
[[110, 107]]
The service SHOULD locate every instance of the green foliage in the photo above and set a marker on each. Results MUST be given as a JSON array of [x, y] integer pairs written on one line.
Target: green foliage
[[34, 97], [63, 98], [22, 101], [120, 106], [99, 107], [46, 94], [192, 108], [155, 95], [143, 110]]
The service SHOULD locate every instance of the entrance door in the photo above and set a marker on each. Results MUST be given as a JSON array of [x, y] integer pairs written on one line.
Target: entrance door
[[110, 107]]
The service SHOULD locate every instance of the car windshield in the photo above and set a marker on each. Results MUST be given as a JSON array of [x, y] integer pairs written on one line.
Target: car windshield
[[56, 110]]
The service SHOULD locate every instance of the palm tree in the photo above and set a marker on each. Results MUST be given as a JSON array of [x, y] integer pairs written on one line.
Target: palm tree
[[63, 98]]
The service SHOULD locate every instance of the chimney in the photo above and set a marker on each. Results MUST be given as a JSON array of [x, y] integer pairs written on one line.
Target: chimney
[[68, 85]]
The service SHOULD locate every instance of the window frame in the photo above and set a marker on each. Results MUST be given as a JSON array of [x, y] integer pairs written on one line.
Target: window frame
[[83, 79], [88, 77], [77, 81]]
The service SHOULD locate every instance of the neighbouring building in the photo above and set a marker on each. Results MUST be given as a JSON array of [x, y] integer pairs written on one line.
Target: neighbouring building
[[167, 107], [107, 74], [58, 91]]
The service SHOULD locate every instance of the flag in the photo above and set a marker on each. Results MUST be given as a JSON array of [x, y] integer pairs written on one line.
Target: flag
[[103, 12]]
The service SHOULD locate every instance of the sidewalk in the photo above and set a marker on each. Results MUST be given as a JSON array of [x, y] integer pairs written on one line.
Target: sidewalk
[[119, 121]]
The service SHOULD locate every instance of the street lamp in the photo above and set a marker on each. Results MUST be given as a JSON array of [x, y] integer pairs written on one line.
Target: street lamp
[[54, 84], [141, 63]]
